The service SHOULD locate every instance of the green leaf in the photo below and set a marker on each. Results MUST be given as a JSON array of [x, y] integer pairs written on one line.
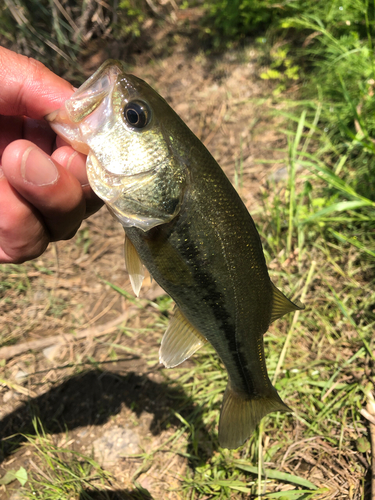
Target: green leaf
[[12, 475], [333, 180], [353, 241], [21, 475], [272, 74], [337, 207], [121, 291], [363, 445], [274, 474], [9, 477], [295, 494]]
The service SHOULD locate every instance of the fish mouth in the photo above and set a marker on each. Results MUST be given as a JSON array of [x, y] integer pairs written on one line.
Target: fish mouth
[[65, 128], [67, 121]]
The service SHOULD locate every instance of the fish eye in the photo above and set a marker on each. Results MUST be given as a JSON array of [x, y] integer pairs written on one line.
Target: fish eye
[[137, 114]]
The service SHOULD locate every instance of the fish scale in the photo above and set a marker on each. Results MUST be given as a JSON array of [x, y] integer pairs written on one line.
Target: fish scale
[[187, 225]]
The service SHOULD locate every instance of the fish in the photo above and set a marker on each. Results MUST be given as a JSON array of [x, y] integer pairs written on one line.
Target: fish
[[186, 224]]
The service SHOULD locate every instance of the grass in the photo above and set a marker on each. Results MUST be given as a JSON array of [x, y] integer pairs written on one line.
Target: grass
[[317, 227], [320, 360], [61, 472]]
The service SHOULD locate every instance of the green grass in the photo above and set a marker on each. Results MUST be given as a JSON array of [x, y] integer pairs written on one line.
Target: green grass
[[60, 472]]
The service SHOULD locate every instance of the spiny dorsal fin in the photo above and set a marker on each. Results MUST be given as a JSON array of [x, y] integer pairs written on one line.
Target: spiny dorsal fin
[[281, 305], [180, 341], [134, 266]]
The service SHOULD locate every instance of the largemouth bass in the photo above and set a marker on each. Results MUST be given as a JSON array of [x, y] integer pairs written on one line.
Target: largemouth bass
[[185, 222]]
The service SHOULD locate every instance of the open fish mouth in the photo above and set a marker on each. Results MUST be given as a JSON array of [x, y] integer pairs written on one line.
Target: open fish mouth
[[95, 93]]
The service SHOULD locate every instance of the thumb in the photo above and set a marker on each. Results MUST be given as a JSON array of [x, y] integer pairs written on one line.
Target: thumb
[[47, 186]]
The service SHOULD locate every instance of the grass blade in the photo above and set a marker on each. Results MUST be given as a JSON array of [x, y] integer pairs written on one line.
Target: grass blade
[[275, 474]]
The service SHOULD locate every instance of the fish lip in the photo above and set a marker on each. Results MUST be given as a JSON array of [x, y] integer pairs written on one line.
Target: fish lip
[[66, 121], [92, 92]]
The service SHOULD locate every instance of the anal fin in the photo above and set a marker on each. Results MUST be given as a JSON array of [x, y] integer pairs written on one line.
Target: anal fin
[[180, 341], [281, 305], [134, 266]]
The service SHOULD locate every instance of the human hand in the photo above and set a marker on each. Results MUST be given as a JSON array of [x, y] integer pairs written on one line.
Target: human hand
[[44, 191]]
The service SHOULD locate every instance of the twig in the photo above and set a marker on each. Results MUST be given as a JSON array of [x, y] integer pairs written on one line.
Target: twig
[[66, 15], [38, 469], [35, 345], [368, 416], [153, 7], [13, 386]]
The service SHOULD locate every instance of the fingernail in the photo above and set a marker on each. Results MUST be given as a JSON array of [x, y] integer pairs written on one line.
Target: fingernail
[[75, 167], [37, 168], [71, 158]]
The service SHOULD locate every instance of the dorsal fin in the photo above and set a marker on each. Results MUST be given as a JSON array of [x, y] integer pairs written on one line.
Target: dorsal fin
[[134, 266], [281, 305], [180, 341]]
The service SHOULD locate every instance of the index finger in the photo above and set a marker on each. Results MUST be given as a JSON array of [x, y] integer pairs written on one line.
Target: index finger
[[28, 87]]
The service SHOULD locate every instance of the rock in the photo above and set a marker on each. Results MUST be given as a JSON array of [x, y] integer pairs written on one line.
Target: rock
[[52, 352], [116, 443], [21, 376]]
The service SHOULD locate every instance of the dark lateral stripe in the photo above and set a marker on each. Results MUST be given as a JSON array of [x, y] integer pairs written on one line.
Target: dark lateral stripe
[[216, 302]]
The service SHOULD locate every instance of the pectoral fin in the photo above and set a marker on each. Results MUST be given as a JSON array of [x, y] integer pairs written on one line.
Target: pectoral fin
[[281, 305], [134, 266], [180, 341]]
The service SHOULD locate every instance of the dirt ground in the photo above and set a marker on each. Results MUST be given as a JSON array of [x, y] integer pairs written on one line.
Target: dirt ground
[[104, 390]]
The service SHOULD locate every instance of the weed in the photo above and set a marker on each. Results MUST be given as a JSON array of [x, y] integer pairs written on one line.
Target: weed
[[57, 33], [60, 472], [282, 67], [227, 21]]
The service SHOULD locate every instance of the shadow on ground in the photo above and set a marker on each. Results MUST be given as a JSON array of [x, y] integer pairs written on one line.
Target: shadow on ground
[[139, 494], [92, 398]]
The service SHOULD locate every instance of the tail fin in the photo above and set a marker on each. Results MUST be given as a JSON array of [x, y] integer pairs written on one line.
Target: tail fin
[[240, 416]]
